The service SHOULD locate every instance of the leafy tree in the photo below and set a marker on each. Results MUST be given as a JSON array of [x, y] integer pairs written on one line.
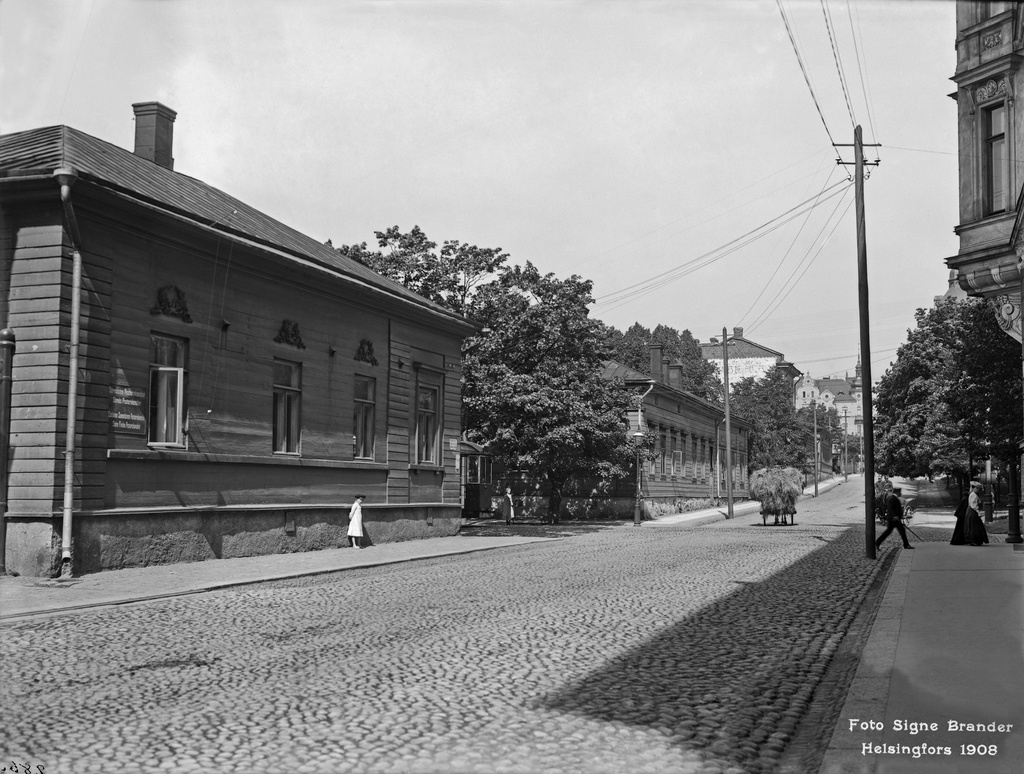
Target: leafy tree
[[447, 277], [533, 385], [698, 376], [779, 437], [952, 397]]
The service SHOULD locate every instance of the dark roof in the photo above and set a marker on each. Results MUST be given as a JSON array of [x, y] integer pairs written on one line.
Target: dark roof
[[41, 151], [836, 386], [612, 369], [615, 370], [738, 348]]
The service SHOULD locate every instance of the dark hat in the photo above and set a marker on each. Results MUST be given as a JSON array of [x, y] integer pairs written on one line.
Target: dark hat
[[360, 497], [897, 490]]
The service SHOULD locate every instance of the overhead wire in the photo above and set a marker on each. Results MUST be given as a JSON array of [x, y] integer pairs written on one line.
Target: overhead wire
[[785, 255], [712, 204], [613, 300], [838, 60], [778, 302], [803, 69], [864, 83]]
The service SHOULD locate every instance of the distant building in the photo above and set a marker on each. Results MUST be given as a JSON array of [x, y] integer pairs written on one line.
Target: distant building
[[746, 358], [238, 382], [844, 395]]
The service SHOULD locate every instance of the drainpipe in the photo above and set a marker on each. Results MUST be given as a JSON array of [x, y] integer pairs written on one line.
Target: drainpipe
[[67, 177]]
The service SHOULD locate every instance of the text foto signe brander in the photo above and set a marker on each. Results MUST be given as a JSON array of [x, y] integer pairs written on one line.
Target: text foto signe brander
[[915, 727]]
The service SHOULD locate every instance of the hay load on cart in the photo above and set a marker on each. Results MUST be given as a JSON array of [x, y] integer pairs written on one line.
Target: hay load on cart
[[777, 489]]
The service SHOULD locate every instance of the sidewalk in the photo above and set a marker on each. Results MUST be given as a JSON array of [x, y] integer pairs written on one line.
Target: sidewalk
[[945, 649], [32, 597]]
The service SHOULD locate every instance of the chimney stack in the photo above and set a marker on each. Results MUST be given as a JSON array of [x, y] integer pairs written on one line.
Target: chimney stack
[[154, 132], [737, 333], [656, 362], [675, 376]]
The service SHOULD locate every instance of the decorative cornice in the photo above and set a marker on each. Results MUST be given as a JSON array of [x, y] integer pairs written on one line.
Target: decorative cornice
[[1007, 311], [289, 334], [365, 353], [170, 300], [991, 89]]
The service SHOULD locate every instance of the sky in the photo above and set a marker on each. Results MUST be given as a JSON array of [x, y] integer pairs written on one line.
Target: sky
[[681, 155]]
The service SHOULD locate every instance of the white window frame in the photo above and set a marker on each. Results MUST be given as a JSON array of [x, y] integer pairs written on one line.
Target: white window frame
[[287, 412], [364, 431], [157, 432], [428, 448]]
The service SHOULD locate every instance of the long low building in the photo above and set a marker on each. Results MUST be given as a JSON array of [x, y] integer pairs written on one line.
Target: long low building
[[689, 460], [235, 383]]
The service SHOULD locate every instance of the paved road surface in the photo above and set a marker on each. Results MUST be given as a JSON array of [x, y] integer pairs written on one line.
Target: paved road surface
[[650, 649]]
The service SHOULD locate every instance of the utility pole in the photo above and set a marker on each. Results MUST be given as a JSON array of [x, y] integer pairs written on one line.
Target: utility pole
[[868, 438], [814, 408], [728, 430]]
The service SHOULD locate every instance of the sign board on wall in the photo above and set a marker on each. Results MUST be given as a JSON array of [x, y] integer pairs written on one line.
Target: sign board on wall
[[127, 409]]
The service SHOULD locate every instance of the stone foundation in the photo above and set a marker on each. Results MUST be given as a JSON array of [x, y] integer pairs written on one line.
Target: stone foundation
[[113, 540]]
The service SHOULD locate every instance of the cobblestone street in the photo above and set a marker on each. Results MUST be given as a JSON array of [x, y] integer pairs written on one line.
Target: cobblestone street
[[651, 649]]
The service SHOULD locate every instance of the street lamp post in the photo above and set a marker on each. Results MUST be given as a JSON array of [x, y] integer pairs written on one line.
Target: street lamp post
[[639, 436], [846, 449], [728, 431]]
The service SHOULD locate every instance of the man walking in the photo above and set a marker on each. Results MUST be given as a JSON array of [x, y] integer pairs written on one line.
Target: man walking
[[893, 515]]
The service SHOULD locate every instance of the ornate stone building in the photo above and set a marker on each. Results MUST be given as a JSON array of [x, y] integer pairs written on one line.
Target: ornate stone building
[[990, 261], [990, 54], [844, 395]]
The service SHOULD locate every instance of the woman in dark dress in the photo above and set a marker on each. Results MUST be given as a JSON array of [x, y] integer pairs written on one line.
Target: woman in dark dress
[[959, 529], [974, 529]]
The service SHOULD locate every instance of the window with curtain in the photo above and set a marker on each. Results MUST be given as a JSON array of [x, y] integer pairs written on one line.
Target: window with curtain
[[365, 416], [427, 424], [167, 372], [287, 406]]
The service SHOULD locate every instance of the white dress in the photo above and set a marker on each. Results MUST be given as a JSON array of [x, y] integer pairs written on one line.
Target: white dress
[[355, 520]]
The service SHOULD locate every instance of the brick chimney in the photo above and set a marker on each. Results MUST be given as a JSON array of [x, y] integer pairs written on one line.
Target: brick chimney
[[154, 132], [656, 362], [675, 376], [737, 333]]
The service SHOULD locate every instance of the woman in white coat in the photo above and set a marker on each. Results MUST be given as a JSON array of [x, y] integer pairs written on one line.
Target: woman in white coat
[[355, 522]]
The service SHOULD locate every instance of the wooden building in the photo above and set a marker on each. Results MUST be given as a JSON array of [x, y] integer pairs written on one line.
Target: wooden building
[[236, 382], [689, 432]]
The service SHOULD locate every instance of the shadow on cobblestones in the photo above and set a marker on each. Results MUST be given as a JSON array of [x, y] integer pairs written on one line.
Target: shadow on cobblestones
[[731, 683]]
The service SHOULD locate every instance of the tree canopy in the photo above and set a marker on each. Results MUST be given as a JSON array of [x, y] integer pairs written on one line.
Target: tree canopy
[[533, 387], [780, 438], [698, 375], [447, 277], [952, 397]]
